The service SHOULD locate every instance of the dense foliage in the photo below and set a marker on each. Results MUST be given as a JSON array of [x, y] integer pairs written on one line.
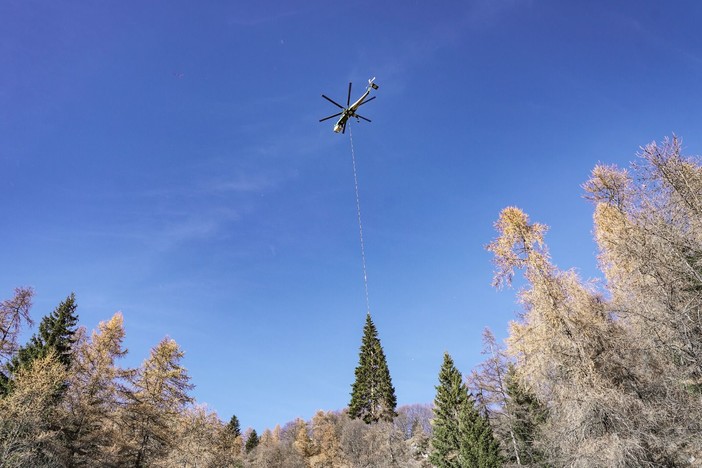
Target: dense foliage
[[56, 335], [619, 368], [372, 394], [462, 436], [592, 374]]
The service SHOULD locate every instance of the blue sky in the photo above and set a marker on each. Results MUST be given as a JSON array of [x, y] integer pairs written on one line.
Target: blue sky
[[165, 159]]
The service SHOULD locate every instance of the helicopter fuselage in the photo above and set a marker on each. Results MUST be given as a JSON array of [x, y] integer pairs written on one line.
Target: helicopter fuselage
[[350, 112]]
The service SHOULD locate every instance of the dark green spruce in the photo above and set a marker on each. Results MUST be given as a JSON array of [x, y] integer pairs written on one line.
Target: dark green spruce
[[527, 415], [479, 448], [251, 441], [451, 396], [372, 394], [461, 436], [56, 333], [5, 384], [233, 428]]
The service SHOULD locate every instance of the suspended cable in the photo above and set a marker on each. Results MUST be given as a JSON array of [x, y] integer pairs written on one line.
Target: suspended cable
[[360, 225]]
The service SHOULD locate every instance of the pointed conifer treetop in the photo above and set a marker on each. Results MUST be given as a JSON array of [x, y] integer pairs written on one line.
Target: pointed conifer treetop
[[56, 333], [233, 427], [451, 398], [462, 437], [478, 447], [251, 441], [372, 394]]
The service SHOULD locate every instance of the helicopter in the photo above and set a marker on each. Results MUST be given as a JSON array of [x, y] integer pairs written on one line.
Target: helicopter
[[350, 109]]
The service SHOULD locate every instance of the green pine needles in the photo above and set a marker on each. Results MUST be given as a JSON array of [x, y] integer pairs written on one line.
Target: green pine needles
[[56, 332], [372, 394], [462, 437], [56, 335]]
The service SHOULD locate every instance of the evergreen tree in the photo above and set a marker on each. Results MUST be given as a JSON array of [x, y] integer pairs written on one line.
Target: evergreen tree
[[451, 397], [462, 437], [372, 394], [4, 384], [56, 336], [251, 441], [419, 443], [56, 333], [478, 446], [233, 427], [230, 443], [527, 414]]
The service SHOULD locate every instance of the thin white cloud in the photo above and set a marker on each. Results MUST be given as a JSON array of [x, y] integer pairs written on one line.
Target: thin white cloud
[[256, 19], [195, 226], [242, 184]]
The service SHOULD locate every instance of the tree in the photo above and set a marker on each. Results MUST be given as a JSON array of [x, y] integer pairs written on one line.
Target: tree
[[488, 382], [302, 443], [13, 312], [462, 436], [269, 453], [575, 357], [93, 396], [159, 394], [56, 334], [451, 397], [196, 438], [372, 394], [514, 413], [230, 443], [648, 226], [419, 444], [378, 445], [526, 416], [233, 427], [28, 416], [326, 434], [251, 441], [412, 417], [478, 446]]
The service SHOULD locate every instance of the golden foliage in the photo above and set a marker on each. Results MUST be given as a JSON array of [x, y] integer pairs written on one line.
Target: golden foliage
[[620, 369], [13, 312], [519, 245], [28, 435]]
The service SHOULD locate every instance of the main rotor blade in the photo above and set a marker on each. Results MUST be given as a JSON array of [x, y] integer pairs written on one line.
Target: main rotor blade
[[333, 102], [343, 128], [367, 100], [330, 117], [361, 117], [348, 99]]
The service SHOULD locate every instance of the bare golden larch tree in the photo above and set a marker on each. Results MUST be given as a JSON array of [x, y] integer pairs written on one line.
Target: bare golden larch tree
[[159, 393], [13, 313], [648, 225], [570, 352], [29, 433], [94, 394]]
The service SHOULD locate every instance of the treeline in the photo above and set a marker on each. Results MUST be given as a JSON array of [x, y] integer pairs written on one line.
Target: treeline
[[592, 374], [65, 401]]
